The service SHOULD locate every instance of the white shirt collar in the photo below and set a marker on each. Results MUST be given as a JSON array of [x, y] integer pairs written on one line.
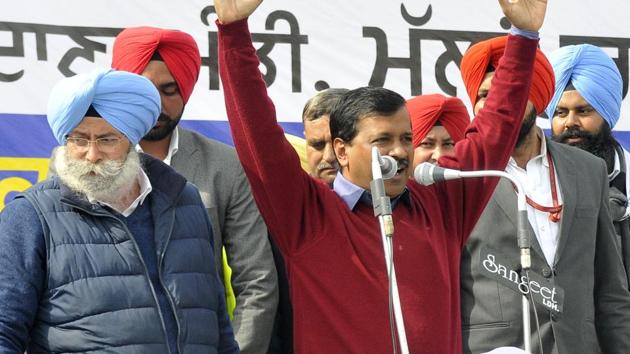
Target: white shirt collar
[[543, 151], [173, 146], [616, 171], [145, 189]]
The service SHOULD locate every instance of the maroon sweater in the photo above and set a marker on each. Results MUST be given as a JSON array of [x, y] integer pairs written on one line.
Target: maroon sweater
[[334, 255]]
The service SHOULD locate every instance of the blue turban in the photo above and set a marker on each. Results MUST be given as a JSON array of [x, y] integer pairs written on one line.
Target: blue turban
[[593, 74], [129, 102]]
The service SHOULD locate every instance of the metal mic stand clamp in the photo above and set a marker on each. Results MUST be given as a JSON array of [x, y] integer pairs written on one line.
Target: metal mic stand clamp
[[382, 206]]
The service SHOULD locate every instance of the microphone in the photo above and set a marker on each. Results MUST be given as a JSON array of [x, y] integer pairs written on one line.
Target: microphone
[[389, 166], [427, 173], [383, 167]]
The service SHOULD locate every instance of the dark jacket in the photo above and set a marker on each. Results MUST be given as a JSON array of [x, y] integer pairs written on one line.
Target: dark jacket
[[618, 201], [85, 287]]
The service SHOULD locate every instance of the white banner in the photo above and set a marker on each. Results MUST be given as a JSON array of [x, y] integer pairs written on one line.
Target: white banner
[[412, 47]]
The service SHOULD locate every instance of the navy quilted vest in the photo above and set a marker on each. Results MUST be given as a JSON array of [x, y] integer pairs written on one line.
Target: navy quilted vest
[[98, 296]]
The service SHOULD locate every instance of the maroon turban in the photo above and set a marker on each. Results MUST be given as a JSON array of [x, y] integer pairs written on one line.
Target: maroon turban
[[426, 110]]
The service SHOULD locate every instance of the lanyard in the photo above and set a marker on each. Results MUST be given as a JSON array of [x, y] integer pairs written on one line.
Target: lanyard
[[556, 209]]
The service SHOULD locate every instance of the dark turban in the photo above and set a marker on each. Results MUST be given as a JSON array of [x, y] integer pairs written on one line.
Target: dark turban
[[426, 110], [486, 54], [134, 47]]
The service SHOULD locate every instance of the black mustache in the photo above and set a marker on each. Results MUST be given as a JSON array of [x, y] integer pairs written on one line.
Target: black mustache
[[164, 117], [573, 132]]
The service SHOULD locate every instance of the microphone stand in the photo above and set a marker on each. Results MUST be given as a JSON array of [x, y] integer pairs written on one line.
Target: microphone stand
[[383, 211], [524, 244], [522, 231]]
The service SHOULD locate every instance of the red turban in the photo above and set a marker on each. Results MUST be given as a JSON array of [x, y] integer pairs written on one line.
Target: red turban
[[134, 47], [480, 56], [426, 110]]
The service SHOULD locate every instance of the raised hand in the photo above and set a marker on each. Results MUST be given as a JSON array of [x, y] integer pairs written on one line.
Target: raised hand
[[525, 14], [233, 10]]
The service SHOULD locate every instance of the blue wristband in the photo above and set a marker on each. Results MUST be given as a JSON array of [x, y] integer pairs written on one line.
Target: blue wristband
[[527, 34]]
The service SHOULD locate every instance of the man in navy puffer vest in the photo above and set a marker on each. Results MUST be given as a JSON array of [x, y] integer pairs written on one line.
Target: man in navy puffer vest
[[115, 253]]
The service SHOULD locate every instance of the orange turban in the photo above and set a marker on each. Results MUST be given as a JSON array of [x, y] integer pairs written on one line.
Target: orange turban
[[426, 110], [480, 56], [134, 47]]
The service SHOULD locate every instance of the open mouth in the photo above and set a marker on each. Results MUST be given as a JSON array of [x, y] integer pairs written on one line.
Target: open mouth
[[402, 171]]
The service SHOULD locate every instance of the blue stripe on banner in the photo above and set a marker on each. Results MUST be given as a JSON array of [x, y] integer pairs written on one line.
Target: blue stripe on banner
[[23, 135], [26, 143]]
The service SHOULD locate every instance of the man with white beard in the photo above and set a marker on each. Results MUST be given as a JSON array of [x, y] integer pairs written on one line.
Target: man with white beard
[[114, 254]]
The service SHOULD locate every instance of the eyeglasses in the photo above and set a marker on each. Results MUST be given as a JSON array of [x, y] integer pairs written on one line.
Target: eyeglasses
[[103, 144]]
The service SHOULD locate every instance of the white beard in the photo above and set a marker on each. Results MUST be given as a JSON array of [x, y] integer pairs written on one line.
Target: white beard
[[111, 179]]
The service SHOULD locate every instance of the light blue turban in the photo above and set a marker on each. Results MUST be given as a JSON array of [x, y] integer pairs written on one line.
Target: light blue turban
[[129, 102], [593, 74]]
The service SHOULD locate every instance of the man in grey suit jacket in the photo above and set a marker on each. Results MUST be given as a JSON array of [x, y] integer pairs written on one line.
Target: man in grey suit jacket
[[576, 281], [596, 309], [171, 60]]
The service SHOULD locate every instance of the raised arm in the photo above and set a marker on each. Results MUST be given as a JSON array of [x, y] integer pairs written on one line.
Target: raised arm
[[491, 137], [279, 185]]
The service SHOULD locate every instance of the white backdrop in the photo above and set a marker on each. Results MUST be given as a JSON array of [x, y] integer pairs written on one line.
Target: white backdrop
[[338, 50]]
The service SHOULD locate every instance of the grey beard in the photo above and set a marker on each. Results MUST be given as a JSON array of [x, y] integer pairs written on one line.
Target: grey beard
[[323, 165], [111, 179]]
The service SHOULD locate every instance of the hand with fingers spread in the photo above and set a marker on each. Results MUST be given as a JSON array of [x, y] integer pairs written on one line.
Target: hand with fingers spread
[[527, 15], [229, 11]]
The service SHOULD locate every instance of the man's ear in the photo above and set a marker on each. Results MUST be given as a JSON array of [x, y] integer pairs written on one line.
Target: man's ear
[[339, 145]]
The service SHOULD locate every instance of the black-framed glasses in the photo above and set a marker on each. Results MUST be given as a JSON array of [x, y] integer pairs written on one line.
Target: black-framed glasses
[[107, 144]]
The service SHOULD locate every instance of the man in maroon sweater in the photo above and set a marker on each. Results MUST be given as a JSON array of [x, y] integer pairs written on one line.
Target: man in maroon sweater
[[330, 238]]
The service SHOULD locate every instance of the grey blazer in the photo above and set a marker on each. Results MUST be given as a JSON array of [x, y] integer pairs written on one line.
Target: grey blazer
[[596, 308], [237, 225]]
